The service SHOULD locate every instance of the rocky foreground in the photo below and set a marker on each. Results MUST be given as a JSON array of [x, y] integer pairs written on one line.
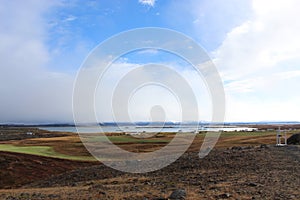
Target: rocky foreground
[[262, 172]]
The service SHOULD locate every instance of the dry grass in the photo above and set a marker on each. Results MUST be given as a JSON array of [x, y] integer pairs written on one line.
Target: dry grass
[[72, 146]]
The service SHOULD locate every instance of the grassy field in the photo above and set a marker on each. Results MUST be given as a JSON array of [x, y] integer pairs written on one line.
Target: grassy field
[[127, 139], [70, 147], [42, 151]]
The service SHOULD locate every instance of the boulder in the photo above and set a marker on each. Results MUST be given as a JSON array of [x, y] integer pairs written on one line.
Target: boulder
[[178, 194], [224, 196], [294, 139]]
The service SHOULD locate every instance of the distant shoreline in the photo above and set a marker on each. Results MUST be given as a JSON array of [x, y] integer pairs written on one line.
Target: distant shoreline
[[152, 124]]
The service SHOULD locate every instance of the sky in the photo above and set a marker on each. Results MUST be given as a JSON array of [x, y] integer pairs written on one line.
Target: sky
[[254, 44]]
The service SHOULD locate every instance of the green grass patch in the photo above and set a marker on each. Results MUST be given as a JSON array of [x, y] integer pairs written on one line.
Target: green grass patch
[[42, 151], [128, 139]]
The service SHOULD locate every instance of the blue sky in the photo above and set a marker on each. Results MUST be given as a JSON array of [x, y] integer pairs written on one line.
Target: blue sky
[[78, 25], [254, 44]]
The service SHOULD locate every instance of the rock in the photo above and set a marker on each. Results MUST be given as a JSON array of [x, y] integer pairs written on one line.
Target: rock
[[25, 195], [263, 146], [178, 194], [236, 148], [224, 196], [202, 191], [73, 184], [213, 188], [294, 139], [53, 196], [38, 195], [251, 184], [11, 198]]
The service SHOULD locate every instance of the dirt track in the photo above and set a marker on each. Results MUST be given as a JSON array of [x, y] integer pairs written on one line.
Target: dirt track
[[236, 173]]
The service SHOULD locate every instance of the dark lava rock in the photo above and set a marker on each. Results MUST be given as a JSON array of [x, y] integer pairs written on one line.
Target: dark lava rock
[[236, 148], [25, 195], [251, 184], [224, 196], [294, 139], [11, 198], [52, 196], [263, 146], [178, 194]]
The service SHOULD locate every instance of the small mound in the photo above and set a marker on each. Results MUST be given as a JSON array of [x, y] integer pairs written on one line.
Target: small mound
[[294, 139]]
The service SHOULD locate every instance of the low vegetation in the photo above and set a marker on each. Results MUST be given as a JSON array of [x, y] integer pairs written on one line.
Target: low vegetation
[[42, 151]]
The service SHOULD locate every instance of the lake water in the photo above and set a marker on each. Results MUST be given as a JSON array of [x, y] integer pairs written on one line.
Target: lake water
[[129, 129]]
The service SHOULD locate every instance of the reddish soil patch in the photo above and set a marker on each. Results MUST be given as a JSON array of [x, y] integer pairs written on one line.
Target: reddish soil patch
[[19, 169]]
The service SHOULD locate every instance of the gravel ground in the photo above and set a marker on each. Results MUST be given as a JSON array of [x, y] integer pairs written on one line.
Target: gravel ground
[[261, 172]]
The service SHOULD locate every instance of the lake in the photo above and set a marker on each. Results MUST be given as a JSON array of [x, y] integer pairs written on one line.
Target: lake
[[140, 129]]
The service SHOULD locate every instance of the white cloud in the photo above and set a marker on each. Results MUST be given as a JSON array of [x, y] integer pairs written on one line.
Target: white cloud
[[259, 61], [147, 2], [255, 109], [148, 51], [70, 18], [271, 37], [289, 74], [30, 92], [146, 96]]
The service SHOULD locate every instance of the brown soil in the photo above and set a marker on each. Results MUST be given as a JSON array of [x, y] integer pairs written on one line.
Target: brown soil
[[19, 169]]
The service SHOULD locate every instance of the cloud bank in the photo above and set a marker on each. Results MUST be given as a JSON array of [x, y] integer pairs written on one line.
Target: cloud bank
[[259, 61], [30, 91]]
